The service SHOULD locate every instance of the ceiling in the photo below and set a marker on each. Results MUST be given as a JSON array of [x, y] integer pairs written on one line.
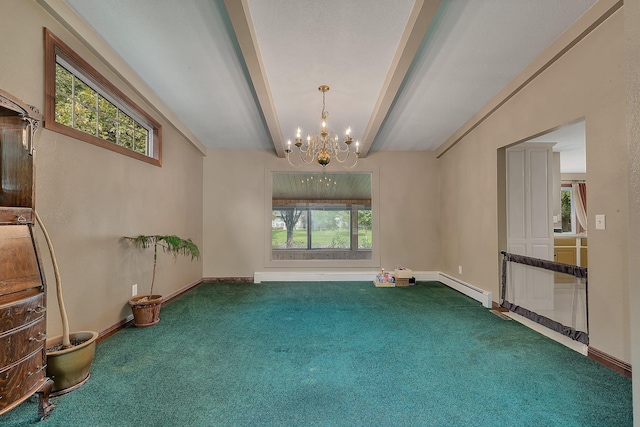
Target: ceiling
[[404, 74]]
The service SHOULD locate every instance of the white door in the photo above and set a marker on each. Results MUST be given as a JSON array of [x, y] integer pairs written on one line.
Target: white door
[[530, 223]]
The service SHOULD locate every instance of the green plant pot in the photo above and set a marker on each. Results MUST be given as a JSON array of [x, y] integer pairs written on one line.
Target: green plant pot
[[146, 309], [69, 368]]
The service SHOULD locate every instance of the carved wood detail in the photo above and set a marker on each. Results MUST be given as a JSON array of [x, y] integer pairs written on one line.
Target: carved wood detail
[[22, 283]]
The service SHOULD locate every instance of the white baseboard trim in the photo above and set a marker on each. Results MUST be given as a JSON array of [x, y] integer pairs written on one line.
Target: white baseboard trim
[[331, 276], [314, 276], [427, 276], [484, 297], [477, 294], [480, 295]]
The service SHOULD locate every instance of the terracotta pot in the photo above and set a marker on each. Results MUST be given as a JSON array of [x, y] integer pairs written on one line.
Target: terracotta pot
[[146, 309], [69, 368]]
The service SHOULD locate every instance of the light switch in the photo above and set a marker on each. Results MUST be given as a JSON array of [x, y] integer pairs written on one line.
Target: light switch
[[600, 222]]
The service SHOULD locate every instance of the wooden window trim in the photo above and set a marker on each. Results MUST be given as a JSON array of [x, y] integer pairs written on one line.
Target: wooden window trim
[[54, 46]]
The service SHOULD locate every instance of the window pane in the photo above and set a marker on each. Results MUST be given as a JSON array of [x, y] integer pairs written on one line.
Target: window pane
[[364, 228], [64, 107], [125, 131], [140, 139], [330, 229], [64, 103], [85, 95], [85, 119], [289, 228], [107, 120], [107, 107], [63, 80]]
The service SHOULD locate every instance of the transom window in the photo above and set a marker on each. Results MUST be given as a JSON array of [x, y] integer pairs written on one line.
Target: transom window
[[82, 104]]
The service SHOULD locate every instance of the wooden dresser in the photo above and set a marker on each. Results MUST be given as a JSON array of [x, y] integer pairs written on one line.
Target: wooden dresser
[[22, 283]]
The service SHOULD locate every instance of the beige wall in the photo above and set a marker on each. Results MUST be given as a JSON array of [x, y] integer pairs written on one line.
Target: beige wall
[[587, 81], [89, 197], [237, 212]]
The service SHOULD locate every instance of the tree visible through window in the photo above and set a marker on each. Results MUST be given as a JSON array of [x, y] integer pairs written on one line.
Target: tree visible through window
[[321, 216], [319, 228], [364, 228], [81, 107], [82, 104]]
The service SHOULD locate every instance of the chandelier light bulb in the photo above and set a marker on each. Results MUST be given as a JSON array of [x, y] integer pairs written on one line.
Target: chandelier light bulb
[[349, 131]]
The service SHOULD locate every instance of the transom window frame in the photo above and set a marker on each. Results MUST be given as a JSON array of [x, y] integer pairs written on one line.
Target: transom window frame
[[57, 52]]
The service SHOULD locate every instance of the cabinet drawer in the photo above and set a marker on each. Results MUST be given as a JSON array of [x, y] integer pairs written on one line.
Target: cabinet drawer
[[25, 340], [16, 216], [17, 313], [21, 378]]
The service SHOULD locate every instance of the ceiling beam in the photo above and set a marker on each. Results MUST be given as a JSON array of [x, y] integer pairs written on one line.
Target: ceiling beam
[[417, 25], [240, 16]]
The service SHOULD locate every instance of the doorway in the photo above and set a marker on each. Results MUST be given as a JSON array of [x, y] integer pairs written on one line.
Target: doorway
[[546, 226]]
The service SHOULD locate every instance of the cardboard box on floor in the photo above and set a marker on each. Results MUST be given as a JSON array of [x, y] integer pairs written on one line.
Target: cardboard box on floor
[[402, 276], [404, 273]]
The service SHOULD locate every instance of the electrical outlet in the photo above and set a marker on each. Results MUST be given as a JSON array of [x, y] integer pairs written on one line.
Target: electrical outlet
[[459, 269], [134, 290]]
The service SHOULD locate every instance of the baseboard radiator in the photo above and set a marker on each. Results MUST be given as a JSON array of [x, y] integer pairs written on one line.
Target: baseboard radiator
[[471, 291], [480, 295]]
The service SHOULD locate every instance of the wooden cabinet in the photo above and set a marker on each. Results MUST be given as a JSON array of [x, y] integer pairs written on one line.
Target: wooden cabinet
[[22, 285]]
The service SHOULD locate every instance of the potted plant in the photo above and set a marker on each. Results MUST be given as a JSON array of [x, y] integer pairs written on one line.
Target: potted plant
[[146, 308], [69, 356]]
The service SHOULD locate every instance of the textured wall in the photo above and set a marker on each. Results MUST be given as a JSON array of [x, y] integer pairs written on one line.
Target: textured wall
[[89, 197], [237, 212], [587, 82]]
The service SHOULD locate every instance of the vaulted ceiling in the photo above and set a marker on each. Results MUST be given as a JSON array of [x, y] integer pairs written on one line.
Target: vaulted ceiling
[[404, 74]]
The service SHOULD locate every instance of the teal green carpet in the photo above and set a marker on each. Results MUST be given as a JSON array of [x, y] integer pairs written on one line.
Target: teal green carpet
[[336, 354]]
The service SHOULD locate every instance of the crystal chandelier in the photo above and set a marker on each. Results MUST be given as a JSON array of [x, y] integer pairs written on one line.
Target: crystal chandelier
[[323, 146]]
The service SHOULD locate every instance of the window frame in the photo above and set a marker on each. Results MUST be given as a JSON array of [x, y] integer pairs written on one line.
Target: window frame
[[54, 48], [307, 207], [329, 262]]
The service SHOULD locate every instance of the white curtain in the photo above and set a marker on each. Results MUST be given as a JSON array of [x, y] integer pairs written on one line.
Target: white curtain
[[580, 201]]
